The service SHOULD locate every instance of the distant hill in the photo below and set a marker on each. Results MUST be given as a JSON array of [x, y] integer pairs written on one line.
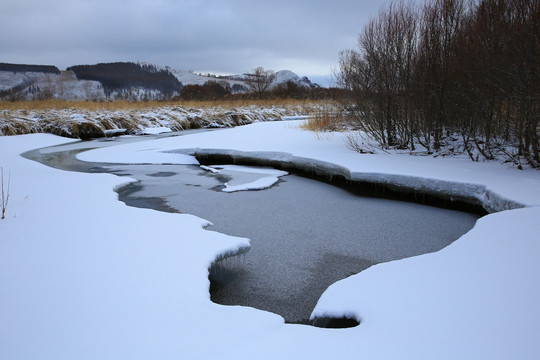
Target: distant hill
[[190, 78], [118, 80], [237, 82], [126, 76], [284, 76]]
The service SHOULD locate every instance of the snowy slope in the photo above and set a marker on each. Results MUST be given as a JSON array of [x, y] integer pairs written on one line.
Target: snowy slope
[[284, 76], [189, 78], [9, 79], [62, 86]]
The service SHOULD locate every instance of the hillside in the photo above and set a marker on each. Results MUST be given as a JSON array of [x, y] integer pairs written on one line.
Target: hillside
[[33, 85], [120, 80], [125, 77]]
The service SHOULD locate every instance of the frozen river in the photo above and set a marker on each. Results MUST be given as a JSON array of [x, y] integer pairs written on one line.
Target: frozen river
[[305, 234]]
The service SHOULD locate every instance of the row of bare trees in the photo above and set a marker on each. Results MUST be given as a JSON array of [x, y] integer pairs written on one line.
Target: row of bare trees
[[449, 69]]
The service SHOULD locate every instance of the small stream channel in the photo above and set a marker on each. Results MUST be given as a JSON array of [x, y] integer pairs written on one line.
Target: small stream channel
[[306, 234]]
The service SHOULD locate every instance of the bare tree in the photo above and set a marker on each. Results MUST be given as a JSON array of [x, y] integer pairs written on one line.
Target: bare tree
[[379, 76], [450, 69], [440, 25], [259, 80], [524, 49]]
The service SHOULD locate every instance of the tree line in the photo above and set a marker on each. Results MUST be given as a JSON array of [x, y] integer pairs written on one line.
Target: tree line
[[222, 90], [448, 70], [121, 77], [20, 68]]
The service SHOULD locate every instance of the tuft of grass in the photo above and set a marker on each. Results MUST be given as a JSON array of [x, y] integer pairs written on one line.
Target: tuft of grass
[[326, 118], [5, 194]]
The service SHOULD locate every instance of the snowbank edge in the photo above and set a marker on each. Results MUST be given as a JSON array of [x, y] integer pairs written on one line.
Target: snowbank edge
[[476, 197]]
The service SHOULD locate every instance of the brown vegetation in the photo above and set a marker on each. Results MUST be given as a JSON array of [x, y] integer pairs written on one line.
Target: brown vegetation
[[85, 119], [235, 101], [328, 117]]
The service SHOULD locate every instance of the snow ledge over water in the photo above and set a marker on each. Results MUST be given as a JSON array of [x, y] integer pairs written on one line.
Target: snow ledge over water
[[470, 193]]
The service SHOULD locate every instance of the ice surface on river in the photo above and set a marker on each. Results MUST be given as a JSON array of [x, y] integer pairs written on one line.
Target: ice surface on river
[[156, 130]]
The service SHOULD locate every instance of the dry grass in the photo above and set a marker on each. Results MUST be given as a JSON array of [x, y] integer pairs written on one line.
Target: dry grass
[[326, 118], [140, 105], [5, 194], [87, 119]]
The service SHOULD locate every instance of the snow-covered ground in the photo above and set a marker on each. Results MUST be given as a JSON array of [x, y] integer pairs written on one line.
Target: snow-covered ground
[[83, 276]]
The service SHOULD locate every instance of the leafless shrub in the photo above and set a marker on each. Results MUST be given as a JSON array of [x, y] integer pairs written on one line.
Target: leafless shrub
[[5, 193], [327, 118], [354, 141]]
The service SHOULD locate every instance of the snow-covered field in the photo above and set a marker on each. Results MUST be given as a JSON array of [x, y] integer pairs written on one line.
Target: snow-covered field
[[83, 276]]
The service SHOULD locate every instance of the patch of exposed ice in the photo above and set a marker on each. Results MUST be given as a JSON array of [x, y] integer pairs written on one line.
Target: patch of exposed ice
[[209, 168], [249, 178], [155, 131]]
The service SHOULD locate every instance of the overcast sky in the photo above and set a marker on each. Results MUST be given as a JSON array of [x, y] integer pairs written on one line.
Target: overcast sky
[[217, 36]]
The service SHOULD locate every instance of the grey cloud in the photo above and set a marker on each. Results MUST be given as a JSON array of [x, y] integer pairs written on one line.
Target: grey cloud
[[219, 36]]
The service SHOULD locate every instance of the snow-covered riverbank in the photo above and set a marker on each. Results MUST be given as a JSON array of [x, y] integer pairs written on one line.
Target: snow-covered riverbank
[[496, 186], [80, 123], [84, 276]]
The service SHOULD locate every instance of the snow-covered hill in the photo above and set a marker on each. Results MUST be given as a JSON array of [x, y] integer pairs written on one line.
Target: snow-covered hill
[[236, 82], [284, 76], [40, 85], [190, 78]]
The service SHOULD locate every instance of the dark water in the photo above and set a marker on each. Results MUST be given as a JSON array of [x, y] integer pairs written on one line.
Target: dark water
[[305, 234]]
